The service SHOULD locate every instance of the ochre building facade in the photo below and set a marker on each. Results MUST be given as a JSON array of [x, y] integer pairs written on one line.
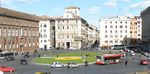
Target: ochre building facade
[[18, 31]]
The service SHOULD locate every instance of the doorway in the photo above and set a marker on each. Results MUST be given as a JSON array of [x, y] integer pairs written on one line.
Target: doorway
[[68, 44]]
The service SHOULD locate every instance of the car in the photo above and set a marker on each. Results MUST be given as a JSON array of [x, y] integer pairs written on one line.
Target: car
[[72, 65], [10, 58], [132, 54], [57, 65], [23, 62], [144, 62], [26, 55], [7, 69]]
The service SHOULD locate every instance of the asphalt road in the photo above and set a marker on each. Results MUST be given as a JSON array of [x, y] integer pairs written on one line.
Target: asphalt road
[[133, 66]]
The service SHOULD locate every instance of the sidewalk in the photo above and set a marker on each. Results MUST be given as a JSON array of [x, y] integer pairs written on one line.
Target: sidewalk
[[140, 73]]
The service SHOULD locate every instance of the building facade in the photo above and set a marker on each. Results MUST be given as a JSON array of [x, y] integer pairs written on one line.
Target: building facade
[[72, 31], [145, 15], [18, 31], [136, 30], [114, 31], [47, 33]]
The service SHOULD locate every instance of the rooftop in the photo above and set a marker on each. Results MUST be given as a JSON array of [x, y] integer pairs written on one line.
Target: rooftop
[[72, 7], [17, 14]]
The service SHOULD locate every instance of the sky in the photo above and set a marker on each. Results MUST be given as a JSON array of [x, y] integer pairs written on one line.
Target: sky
[[90, 10]]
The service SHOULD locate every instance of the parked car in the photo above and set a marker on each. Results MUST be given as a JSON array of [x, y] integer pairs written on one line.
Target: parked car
[[7, 69], [57, 65], [9, 58], [72, 65], [26, 55], [23, 62], [144, 62]]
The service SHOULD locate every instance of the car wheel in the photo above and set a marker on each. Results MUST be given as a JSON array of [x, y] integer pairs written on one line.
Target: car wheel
[[10, 70]]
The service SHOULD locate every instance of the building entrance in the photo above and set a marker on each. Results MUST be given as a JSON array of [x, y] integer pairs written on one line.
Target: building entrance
[[68, 44]]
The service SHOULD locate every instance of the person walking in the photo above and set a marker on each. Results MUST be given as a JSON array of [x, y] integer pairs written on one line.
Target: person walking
[[126, 63], [86, 63]]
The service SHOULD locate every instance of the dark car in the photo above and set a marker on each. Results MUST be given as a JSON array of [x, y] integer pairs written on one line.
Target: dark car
[[10, 58], [26, 55], [23, 62]]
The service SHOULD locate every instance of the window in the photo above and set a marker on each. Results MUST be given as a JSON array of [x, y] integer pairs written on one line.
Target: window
[[139, 35], [126, 26], [111, 41], [105, 31], [120, 36], [67, 27], [126, 22], [121, 26], [45, 36], [67, 36], [138, 22], [116, 22], [121, 41], [106, 41], [125, 31], [63, 27], [120, 31], [111, 26], [41, 25], [45, 25], [75, 12], [110, 22], [116, 41], [110, 31], [111, 36], [45, 40], [116, 36], [44, 30], [121, 22], [115, 31], [116, 26], [106, 36], [105, 26]]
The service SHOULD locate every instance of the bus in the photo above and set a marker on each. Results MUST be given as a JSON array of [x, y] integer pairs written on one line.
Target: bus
[[109, 59], [7, 55], [118, 47]]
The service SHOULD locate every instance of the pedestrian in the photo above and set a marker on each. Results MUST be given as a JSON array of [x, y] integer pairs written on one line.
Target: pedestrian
[[126, 63], [86, 63], [39, 55], [57, 55]]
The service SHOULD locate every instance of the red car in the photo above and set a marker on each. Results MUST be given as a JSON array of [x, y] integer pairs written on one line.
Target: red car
[[144, 62], [6, 69]]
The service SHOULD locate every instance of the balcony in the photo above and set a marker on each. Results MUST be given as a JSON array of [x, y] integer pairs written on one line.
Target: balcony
[[78, 38]]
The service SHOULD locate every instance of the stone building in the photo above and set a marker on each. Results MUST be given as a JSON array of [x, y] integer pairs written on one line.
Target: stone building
[[18, 31], [145, 15], [70, 31], [114, 31], [136, 30]]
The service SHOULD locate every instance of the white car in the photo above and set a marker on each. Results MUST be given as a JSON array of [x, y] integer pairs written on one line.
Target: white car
[[57, 65], [72, 65]]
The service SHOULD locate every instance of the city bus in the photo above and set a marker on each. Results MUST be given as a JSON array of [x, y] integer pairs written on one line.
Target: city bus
[[109, 59], [7, 55], [118, 47]]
